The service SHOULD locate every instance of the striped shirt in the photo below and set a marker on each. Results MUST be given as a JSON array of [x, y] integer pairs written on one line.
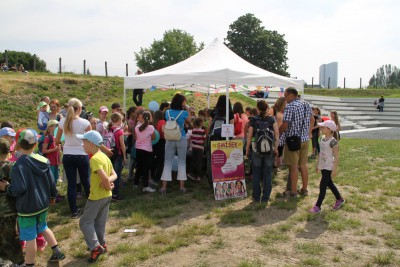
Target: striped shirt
[[297, 113], [197, 139]]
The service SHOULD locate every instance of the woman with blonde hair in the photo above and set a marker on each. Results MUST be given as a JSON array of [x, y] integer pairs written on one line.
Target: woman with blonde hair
[[75, 158]]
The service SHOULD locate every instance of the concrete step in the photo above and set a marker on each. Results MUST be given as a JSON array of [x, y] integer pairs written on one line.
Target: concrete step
[[369, 124]]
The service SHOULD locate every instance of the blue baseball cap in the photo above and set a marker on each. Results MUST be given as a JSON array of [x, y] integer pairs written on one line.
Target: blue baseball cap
[[6, 131], [92, 136]]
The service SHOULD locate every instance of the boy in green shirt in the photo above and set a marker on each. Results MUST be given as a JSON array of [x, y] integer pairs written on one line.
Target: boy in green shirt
[[95, 214]]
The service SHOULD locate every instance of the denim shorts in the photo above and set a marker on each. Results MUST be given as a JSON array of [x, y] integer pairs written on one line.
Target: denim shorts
[[30, 227]]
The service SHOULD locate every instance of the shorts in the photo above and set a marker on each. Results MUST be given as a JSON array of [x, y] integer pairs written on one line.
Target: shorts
[[30, 227], [299, 157]]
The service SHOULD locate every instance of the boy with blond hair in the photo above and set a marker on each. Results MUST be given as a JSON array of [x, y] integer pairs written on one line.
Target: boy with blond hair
[[33, 186], [95, 214]]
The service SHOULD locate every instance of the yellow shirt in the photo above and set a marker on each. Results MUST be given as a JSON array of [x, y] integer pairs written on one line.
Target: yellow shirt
[[99, 161]]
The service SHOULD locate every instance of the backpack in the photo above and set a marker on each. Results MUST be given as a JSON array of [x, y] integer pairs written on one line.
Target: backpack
[[216, 128], [41, 142], [110, 143], [238, 125], [172, 131], [264, 136]]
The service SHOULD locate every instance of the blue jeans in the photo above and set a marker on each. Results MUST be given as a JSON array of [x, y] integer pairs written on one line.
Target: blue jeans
[[262, 170], [72, 163], [171, 147], [118, 166]]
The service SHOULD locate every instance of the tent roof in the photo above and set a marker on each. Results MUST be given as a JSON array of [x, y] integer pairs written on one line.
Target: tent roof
[[215, 64]]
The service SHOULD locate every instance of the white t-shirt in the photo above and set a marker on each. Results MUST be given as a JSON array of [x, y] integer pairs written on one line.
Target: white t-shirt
[[326, 157], [74, 145]]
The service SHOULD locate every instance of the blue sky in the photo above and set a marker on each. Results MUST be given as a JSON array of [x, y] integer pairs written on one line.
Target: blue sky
[[361, 35]]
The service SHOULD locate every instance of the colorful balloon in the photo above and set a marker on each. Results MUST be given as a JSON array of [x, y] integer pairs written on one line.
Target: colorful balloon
[[154, 106]]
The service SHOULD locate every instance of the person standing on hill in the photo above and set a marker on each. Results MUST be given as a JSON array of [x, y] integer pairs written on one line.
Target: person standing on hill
[[381, 103], [138, 93]]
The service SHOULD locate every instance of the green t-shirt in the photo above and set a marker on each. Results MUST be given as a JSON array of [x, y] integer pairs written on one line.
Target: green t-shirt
[[99, 161]]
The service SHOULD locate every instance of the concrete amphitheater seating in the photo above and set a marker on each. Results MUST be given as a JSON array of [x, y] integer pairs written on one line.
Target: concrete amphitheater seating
[[355, 113]]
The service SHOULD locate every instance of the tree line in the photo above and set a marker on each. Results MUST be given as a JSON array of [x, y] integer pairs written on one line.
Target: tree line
[[246, 37], [26, 59], [387, 76]]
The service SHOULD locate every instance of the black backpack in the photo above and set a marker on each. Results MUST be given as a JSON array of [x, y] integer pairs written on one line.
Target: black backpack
[[263, 136], [216, 128]]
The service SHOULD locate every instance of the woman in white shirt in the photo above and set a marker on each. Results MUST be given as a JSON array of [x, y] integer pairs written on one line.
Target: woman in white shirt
[[74, 156]]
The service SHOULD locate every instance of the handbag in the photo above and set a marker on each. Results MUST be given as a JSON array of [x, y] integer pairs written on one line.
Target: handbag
[[172, 131], [293, 142]]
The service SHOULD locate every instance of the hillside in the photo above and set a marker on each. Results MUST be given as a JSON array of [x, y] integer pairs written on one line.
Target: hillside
[[21, 93]]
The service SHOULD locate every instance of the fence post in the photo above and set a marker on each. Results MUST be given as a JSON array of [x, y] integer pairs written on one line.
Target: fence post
[[329, 82], [106, 69], [84, 67], [312, 82], [59, 64], [360, 82], [34, 62], [344, 83], [6, 56], [126, 69]]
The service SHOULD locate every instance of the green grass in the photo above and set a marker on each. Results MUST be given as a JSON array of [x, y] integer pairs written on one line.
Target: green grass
[[197, 224]]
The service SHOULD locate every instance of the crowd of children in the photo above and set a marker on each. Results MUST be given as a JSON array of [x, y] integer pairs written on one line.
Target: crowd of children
[[98, 149]]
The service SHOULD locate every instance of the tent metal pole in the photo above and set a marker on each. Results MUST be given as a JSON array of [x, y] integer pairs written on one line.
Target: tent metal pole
[[227, 107], [124, 99]]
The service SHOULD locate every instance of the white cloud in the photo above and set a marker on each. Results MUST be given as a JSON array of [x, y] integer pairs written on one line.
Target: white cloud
[[360, 35]]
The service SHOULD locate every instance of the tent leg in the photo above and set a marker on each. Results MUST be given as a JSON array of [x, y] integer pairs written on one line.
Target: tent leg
[[124, 99]]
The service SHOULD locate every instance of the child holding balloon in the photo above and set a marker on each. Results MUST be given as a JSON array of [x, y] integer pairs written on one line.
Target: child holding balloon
[[144, 133]]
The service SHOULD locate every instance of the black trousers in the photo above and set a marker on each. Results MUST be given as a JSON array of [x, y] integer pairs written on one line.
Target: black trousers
[[197, 161], [326, 181], [138, 97], [144, 161]]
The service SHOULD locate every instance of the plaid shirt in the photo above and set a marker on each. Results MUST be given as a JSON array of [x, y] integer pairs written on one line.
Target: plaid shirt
[[297, 114]]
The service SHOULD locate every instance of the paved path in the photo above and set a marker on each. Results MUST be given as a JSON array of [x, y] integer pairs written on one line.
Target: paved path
[[383, 133]]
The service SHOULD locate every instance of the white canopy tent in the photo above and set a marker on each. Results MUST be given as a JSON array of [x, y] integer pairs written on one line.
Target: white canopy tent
[[214, 65]]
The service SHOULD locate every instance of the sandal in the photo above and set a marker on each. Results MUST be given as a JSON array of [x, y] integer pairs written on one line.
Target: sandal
[[302, 192]]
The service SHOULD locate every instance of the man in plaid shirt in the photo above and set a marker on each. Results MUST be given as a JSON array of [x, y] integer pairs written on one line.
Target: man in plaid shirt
[[297, 120]]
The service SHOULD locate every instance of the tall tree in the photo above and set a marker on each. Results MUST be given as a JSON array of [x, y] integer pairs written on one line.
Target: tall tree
[[386, 76], [24, 58], [263, 48], [176, 45]]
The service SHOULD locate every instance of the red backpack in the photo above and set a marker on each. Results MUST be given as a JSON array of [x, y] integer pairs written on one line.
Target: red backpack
[[238, 125]]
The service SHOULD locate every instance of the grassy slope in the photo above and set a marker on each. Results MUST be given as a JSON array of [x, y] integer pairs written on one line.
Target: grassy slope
[[20, 94]]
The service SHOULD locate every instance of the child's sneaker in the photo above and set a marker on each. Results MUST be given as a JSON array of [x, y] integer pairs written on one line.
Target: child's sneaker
[[149, 189], [182, 190], [57, 257], [315, 210], [95, 254], [76, 214], [338, 204]]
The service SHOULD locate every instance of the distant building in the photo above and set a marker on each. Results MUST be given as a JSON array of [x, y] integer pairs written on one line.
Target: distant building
[[328, 75]]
